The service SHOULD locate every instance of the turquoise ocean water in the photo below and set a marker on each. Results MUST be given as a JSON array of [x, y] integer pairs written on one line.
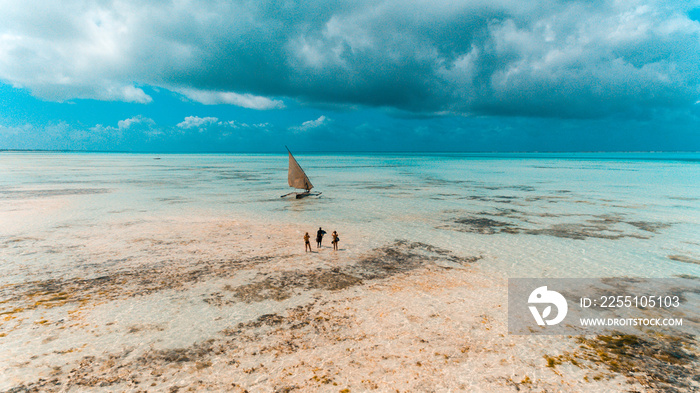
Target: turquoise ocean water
[[119, 254], [529, 215]]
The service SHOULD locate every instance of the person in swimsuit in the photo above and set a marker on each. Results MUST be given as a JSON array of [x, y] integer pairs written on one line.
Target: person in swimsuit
[[307, 244], [319, 236], [335, 241]]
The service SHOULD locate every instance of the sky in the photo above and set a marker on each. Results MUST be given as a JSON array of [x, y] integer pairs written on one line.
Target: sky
[[439, 75]]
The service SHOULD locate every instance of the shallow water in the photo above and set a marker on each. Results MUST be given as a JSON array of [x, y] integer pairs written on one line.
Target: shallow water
[[537, 215], [139, 253]]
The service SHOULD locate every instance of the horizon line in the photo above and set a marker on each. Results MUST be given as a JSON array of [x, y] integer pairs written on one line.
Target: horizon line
[[340, 151]]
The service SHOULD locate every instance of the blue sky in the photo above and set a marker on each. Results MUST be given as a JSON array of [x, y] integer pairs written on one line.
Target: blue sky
[[504, 75]]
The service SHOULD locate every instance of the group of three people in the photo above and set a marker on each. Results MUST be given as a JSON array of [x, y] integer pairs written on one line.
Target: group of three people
[[319, 238]]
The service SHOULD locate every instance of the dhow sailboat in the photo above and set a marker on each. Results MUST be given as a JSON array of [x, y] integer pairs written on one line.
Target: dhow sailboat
[[298, 179]]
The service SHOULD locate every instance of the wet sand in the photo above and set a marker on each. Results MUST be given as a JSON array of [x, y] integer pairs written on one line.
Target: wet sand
[[184, 303]]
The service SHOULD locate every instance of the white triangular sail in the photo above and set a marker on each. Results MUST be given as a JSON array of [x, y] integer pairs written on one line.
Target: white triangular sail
[[296, 176]]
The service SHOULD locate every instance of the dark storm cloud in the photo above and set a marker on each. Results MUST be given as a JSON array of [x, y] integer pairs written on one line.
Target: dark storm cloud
[[545, 58]]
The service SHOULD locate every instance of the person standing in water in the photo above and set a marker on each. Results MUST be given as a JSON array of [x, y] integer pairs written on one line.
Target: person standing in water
[[307, 244], [335, 241], [319, 236]]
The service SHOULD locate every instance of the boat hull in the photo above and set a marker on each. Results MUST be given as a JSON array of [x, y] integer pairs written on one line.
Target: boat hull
[[300, 195], [306, 194]]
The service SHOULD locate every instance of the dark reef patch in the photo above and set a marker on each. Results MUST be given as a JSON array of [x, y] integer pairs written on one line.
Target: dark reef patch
[[689, 199], [24, 194], [581, 232], [653, 227], [684, 258], [496, 198], [123, 284], [174, 200], [484, 226], [688, 276], [659, 362], [600, 226], [399, 257]]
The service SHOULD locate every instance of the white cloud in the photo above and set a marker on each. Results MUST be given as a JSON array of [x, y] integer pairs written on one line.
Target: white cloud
[[243, 100], [202, 123], [541, 58], [129, 94], [197, 122], [234, 124], [139, 127], [311, 124], [133, 121]]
